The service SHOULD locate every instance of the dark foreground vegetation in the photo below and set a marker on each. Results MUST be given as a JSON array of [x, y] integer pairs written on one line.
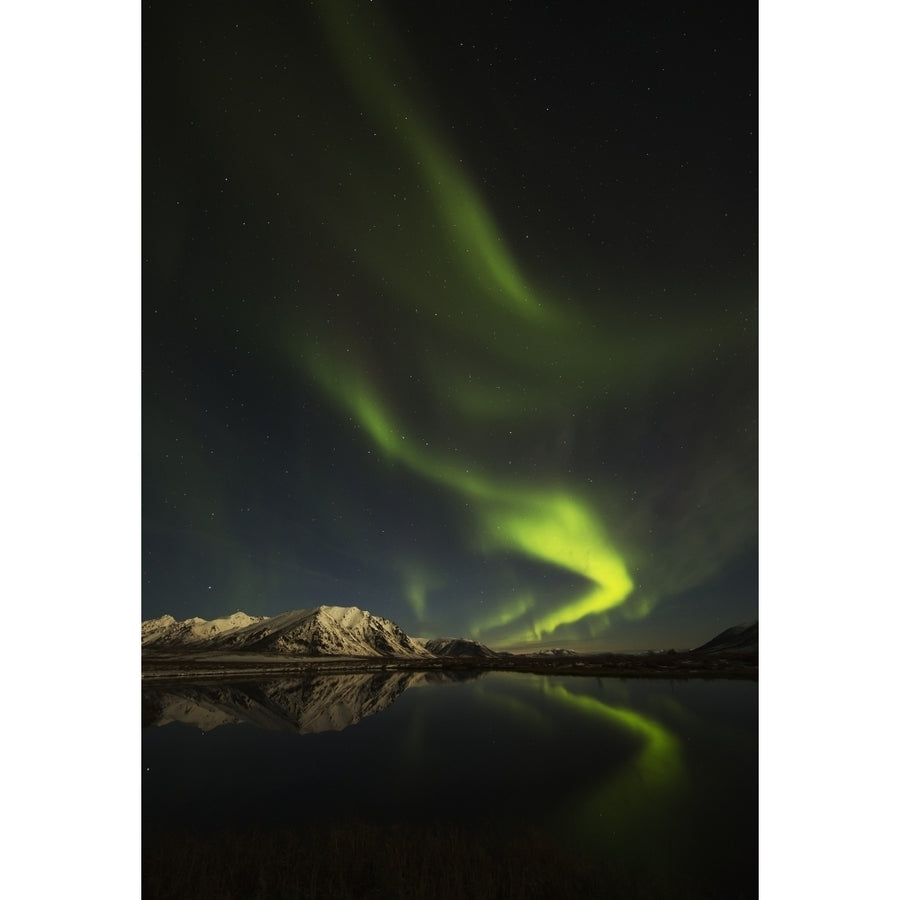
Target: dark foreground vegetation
[[398, 862], [669, 664]]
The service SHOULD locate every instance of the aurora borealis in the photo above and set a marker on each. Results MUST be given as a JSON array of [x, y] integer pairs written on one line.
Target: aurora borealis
[[450, 313]]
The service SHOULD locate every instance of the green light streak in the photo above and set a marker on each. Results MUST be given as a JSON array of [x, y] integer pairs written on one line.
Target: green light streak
[[556, 528], [547, 525], [417, 583], [478, 244], [643, 791], [508, 612], [488, 348], [659, 765], [415, 594], [470, 235]]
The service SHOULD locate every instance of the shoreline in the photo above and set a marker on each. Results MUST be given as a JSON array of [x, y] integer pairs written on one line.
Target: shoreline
[[159, 667]]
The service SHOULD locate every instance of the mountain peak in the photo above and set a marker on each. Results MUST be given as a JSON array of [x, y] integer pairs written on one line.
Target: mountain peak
[[320, 631]]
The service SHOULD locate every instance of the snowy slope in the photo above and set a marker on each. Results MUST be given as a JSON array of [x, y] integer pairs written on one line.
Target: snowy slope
[[165, 631], [323, 631]]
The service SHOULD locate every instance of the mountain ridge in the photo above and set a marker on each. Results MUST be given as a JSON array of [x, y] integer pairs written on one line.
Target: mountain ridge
[[743, 638], [315, 632], [336, 632]]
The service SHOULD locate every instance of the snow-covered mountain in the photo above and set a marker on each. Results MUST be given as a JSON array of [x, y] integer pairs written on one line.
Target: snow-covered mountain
[[323, 631], [165, 631]]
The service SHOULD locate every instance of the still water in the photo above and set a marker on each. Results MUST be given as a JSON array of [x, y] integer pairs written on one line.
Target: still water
[[659, 776]]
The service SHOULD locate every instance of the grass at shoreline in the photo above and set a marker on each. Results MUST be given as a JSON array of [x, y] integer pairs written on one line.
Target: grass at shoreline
[[362, 860], [655, 665]]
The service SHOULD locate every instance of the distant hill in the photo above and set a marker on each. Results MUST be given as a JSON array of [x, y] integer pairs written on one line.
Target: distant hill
[[738, 639], [456, 647], [322, 631]]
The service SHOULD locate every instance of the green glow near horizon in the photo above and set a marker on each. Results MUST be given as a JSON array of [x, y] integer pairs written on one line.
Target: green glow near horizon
[[417, 583], [415, 594], [508, 611], [547, 525], [555, 528]]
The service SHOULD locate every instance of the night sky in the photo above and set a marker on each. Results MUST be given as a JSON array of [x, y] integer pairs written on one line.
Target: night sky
[[450, 312]]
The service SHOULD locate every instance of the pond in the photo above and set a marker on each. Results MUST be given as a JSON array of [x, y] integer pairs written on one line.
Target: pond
[[392, 783]]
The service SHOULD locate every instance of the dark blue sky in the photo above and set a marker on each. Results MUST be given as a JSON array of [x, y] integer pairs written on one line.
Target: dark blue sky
[[450, 313]]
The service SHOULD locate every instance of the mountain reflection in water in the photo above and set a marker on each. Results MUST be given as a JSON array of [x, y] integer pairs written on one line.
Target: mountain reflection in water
[[655, 780], [307, 705]]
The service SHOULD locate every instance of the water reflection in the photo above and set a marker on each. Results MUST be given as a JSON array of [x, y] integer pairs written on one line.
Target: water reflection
[[640, 797], [659, 777], [307, 705]]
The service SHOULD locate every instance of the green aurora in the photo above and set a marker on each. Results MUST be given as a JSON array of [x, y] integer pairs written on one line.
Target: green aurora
[[581, 442]]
